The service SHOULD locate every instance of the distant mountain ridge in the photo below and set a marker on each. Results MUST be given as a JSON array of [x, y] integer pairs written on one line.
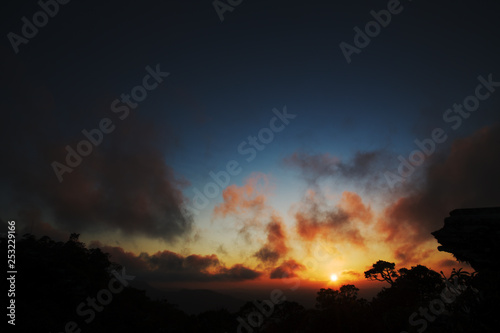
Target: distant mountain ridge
[[192, 301]]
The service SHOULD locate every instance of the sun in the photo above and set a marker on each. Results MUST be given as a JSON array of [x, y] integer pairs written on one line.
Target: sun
[[334, 277]]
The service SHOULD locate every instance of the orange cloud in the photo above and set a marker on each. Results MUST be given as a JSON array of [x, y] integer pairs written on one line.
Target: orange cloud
[[353, 205], [407, 254], [241, 199], [316, 218], [351, 275]]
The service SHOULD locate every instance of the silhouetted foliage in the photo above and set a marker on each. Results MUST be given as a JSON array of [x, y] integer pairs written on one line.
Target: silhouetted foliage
[[382, 271], [59, 276]]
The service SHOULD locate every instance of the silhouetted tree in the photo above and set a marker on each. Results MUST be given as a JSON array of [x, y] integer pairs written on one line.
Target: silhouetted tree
[[59, 276], [382, 271], [341, 310], [327, 298]]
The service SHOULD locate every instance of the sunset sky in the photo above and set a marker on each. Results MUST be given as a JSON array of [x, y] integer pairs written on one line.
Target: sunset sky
[[253, 151]]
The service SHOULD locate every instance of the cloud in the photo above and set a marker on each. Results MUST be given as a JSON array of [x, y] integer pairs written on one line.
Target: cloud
[[408, 253], [353, 205], [36, 226], [362, 168], [267, 255], [221, 250], [315, 217], [276, 245], [121, 190], [448, 263], [127, 259], [287, 269], [362, 164], [238, 273], [250, 197], [247, 204], [168, 266], [466, 177], [313, 167], [351, 274], [124, 184]]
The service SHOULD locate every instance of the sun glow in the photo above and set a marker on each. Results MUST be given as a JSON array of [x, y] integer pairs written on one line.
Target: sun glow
[[334, 277]]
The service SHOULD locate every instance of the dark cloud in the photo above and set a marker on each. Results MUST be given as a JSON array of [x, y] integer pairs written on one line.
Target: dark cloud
[[266, 255], [34, 224], [124, 184], [238, 272], [361, 165], [167, 266], [201, 262], [133, 264], [313, 167], [287, 269], [448, 263], [466, 177], [364, 168], [276, 245]]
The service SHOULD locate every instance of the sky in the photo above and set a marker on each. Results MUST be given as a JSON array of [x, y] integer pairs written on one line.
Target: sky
[[223, 144]]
